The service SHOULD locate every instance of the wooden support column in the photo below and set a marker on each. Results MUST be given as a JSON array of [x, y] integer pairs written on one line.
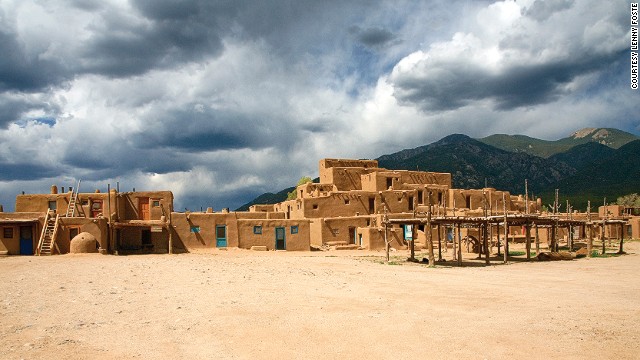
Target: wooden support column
[[506, 230], [439, 243], [432, 259], [412, 243], [528, 239], [455, 247], [498, 238], [590, 241], [485, 242], [537, 239], [459, 238], [621, 250], [604, 244]]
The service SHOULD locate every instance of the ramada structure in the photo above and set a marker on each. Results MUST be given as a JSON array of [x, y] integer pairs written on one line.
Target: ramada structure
[[355, 205]]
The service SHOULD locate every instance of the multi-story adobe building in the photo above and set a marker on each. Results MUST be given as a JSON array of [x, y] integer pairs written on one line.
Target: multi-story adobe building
[[350, 207]]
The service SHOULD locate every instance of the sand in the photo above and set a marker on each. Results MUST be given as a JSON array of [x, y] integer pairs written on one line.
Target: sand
[[240, 304]]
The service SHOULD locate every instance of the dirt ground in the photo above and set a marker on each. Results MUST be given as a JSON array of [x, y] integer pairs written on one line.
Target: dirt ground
[[317, 305]]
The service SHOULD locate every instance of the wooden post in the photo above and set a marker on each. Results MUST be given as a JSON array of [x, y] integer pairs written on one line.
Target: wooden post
[[528, 239], [621, 250], [604, 244], [385, 220], [459, 236], [432, 259], [506, 229], [485, 242], [498, 237], [110, 233], [439, 244], [455, 247], [537, 240], [590, 241]]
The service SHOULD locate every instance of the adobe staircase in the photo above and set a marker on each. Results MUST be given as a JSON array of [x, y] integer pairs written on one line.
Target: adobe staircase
[[51, 224]]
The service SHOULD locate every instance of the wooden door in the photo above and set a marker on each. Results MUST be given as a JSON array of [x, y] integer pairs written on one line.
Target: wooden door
[[143, 208]]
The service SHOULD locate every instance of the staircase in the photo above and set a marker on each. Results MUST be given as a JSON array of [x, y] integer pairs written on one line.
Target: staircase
[[71, 209], [48, 235]]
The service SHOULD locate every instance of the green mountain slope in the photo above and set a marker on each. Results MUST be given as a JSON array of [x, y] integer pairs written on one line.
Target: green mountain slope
[[471, 162], [611, 177], [612, 138]]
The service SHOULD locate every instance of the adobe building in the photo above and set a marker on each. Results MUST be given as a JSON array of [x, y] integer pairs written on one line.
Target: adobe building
[[355, 205]]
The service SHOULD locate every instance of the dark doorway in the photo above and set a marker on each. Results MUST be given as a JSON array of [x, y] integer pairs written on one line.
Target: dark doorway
[[26, 240]]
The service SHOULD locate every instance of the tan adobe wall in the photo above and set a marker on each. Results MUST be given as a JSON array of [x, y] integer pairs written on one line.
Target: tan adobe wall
[[290, 209], [343, 230], [129, 204], [12, 244], [309, 190], [329, 163], [473, 199], [344, 179], [97, 227], [40, 202], [261, 208], [299, 241], [185, 238], [339, 204], [612, 210], [397, 201]]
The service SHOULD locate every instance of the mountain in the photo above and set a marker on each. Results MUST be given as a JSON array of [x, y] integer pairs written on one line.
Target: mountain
[[610, 177], [584, 154], [612, 138], [472, 162], [589, 164]]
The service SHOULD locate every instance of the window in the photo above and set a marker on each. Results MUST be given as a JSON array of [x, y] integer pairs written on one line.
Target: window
[[85, 202], [257, 229], [389, 182], [97, 205], [346, 201], [294, 229], [315, 206], [410, 203], [52, 205], [420, 197], [372, 205], [195, 229], [7, 233], [440, 198], [155, 203]]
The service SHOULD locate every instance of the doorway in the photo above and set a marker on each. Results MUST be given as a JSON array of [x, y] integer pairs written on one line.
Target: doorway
[[281, 243], [143, 205], [26, 240], [352, 235], [221, 235]]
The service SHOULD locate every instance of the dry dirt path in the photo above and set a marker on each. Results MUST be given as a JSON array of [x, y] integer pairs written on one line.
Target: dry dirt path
[[331, 305]]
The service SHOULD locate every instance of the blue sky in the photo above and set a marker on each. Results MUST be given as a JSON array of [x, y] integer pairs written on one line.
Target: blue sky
[[220, 101]]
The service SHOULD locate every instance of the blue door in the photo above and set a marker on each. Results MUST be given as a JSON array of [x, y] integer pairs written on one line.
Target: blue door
[[281, 243], [221, 235], [26, 240]]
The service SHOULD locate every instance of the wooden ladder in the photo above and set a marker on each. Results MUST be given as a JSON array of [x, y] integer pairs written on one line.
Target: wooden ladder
[[48, 236], [71, 209]]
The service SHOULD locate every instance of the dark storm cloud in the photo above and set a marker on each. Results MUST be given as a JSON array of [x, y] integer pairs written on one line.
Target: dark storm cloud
[[22, 72], [372, 37], [208, 129], [13, 106], [172, 34], [25, 171], [456, 85]]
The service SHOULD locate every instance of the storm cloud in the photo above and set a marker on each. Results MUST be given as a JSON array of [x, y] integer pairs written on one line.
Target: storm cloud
[[220, 101]]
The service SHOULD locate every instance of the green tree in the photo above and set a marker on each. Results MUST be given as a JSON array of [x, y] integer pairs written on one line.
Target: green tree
[[631, 200], [294, 194]]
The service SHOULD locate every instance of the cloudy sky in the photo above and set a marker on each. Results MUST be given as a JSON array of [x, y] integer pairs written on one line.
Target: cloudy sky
[[220, 101]]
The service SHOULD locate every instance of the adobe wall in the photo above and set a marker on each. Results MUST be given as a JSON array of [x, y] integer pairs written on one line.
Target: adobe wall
[[313, 190], [294, 241], [337, 229], [186, 236], [338, 204], [473, 199], [131, 240], [344, 178], [97, 227], [129, 203], [261, 208], [329, 163], [40, 202], [12, 244]]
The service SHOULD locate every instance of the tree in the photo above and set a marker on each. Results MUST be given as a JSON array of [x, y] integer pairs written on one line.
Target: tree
[[630, 200], [294, 194]]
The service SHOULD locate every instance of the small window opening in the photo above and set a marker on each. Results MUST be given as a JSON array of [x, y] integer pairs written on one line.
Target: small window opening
[[257, 230]]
